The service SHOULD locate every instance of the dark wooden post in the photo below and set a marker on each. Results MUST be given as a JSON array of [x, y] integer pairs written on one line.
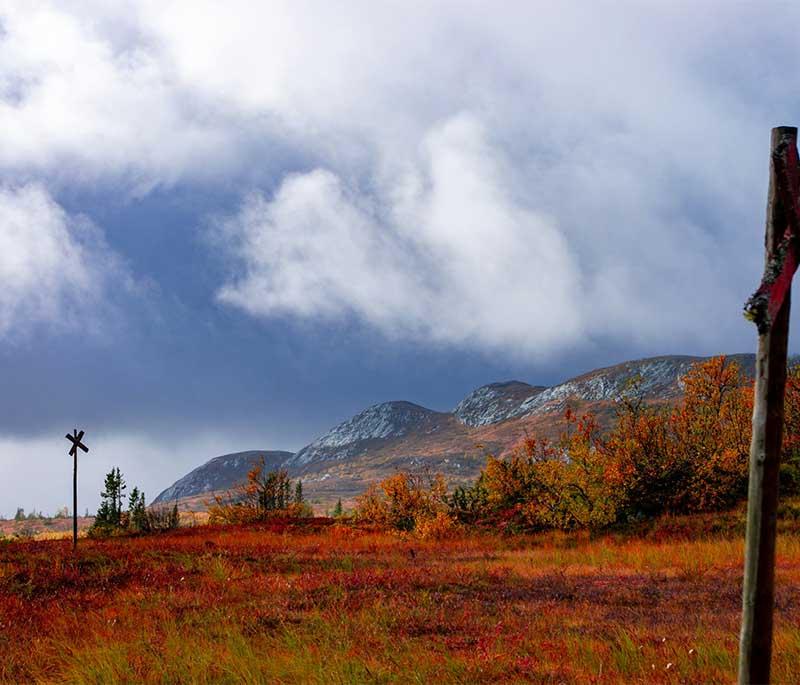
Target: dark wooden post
[[75, 440], [75, 497], [769, 308]]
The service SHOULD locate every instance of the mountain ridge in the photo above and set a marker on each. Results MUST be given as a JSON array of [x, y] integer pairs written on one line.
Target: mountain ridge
[[402, 435]]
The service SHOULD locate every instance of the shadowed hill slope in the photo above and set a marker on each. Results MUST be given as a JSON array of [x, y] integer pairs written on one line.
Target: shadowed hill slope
[[220, 474]]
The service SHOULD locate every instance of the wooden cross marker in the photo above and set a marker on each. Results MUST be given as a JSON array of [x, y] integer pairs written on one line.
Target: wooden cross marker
[[768, 308], [75, 439]]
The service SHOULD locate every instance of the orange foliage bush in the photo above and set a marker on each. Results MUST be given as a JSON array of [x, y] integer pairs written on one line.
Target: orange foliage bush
[[407, 502], [568, 484]]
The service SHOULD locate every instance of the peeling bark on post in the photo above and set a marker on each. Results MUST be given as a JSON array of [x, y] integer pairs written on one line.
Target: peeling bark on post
[[769, 309]]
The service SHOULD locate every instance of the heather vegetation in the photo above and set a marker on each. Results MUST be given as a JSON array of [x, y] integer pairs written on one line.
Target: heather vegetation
[[314, 601]]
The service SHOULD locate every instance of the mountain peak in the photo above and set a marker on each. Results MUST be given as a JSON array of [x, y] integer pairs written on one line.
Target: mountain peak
[[378, 422], [494, 402]]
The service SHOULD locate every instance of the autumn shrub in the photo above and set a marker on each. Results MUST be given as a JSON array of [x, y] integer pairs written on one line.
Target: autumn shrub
[[468, 504], [566, 484], [711, 429], [790, 451], [406, 502], [265, 494], [438, 527], [688, 457]]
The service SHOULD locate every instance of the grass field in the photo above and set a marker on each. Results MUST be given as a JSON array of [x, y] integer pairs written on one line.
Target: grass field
[[324, 603]]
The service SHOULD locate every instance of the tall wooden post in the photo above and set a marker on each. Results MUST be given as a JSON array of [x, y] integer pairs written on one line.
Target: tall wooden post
[[75, 499], [75, 440], [758, 595]]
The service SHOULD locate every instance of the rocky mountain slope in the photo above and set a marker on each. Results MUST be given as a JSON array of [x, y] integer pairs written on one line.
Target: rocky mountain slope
[[382, 422], [220, 474], [396, 436], [495, 402]]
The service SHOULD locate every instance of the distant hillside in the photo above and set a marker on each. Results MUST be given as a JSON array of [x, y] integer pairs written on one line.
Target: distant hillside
[[220, 474], [401, 435]]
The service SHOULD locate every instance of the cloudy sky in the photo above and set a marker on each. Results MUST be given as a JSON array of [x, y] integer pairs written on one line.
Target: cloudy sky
[[229, 226]]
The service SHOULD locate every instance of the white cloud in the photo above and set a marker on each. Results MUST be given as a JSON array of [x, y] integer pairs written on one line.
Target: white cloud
[[452, 259], [617, 152], [54, 267], [81, 99], [445, 252]]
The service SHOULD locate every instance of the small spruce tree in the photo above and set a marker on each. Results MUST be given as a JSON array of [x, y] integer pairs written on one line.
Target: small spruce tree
[[137, 512], [120, 483], [110, 512]]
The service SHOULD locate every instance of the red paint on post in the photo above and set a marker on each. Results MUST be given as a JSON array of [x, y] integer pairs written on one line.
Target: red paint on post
[[783, 259]]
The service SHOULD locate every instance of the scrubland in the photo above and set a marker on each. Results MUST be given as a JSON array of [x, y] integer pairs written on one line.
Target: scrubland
[[316, 601], [634, 577]]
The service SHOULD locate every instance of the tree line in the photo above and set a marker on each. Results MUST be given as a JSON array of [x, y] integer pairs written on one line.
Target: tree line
[[113, 518]]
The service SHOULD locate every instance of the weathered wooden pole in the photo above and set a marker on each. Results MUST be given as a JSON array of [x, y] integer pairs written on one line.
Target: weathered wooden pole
[[75, 498], [75, 439], [769, 308]]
